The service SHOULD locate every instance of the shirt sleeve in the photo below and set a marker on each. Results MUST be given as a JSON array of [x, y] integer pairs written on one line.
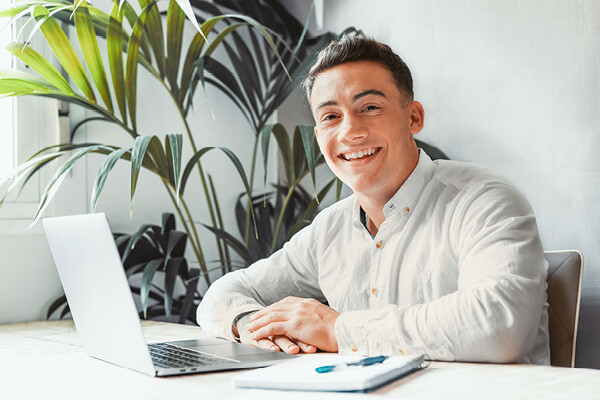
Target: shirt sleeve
[[495, 314], [291, 271]]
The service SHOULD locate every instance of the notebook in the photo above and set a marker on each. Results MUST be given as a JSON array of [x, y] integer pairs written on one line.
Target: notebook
[[300, 374]]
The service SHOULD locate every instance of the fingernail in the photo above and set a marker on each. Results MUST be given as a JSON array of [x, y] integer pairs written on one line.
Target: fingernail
[[291, 346], [274, 348], [309, 347]]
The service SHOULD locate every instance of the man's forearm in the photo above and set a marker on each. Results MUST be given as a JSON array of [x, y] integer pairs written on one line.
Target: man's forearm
[[225, 299]]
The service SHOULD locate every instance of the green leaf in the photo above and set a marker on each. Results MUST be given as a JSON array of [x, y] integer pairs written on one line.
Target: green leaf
[[174, 148], [114, 46], [21, 87], [193, 53], [57, 180], [171, 273], [91, 52], [308, 140], [39, 64], [309, 213], [56, 304], [176, 242], [266, 35], [11, 12], [187, 9], [131, 67], [232, 157], [147, 277], [299, 158], [135, 238], [338, 189], [102, 175], [235, 244], [156, 150], [221, 36], [191, 283], [285, 149], [137, 156], [64, 52], [154, 29], [175, 21]]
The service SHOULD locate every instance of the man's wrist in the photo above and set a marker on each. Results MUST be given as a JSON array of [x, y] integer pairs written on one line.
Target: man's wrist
[[234, 327]]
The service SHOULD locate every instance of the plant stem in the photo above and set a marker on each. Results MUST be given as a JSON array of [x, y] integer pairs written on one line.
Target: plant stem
[[192, 234], [249, 206], [197, 238], [224, 267], [280, 219], [195, 150]]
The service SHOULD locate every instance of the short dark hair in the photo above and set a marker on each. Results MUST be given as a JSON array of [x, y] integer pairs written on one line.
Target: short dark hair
[[360, 48]]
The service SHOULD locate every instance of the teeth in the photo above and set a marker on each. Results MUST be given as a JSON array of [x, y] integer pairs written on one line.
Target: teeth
[[360, 154]]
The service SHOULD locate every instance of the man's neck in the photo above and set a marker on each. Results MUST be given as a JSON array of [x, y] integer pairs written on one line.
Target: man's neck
[[373, 203], [373, 207]]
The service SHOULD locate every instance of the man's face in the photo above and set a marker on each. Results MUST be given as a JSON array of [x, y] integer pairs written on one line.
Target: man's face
[[364, 127]]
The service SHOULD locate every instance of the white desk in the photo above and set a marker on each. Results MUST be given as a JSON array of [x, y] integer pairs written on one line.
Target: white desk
[[43, 360]]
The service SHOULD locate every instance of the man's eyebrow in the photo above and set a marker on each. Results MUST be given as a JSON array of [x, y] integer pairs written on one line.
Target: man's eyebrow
[[326, 103], [356, 97], [368, 92]]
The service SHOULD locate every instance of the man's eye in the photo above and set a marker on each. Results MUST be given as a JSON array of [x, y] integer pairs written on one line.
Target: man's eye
[[371, 108], [328, 117]]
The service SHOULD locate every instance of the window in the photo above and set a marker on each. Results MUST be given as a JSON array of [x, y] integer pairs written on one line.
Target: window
[[7, 148]]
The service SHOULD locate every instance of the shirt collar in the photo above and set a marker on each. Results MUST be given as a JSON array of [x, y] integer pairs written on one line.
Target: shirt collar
[[406, 198]]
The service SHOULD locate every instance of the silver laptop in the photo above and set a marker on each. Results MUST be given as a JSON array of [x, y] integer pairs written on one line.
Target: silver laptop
[[105, 315]]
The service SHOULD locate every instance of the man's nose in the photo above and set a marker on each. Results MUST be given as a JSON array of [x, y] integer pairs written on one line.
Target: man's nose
[[352, 129]]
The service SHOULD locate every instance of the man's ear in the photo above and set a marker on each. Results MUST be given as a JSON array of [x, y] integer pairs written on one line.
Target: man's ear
[[417, 117]]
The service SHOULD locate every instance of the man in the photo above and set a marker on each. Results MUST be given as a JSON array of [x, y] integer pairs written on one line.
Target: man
[[441, 258]]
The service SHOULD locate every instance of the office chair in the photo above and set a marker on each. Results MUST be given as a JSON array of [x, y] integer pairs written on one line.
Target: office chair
[[564, 293]]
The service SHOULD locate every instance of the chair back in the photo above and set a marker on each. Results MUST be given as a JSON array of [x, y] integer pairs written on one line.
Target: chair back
[[564, 292]]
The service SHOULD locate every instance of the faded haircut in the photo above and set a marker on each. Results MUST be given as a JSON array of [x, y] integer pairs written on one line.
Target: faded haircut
[[360, 48]]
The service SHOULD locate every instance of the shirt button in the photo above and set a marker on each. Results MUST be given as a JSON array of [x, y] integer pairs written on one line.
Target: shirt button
[[354, 348], [400, 352], [406, 210], [375, 292], [379, 245]]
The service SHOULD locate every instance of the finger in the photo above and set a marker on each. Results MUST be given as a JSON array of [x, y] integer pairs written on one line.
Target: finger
[[286, 344], [279, 306], [275, 328], [305, 348], [266, 344], [275, 316]]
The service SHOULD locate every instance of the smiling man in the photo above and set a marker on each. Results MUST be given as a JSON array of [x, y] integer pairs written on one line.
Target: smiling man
[[442, 258]]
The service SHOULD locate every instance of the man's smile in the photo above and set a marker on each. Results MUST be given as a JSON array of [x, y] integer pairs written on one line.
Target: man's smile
[[359, 155]]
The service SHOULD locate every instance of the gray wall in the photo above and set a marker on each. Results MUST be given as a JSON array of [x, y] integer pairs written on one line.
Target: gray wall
[[513, 85]]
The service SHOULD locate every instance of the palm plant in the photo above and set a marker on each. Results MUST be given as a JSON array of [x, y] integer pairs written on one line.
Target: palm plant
[[279, 214], [258, 88], [143, 44]]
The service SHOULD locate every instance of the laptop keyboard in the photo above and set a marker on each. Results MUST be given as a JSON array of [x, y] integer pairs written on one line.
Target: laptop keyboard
[[165, 355]]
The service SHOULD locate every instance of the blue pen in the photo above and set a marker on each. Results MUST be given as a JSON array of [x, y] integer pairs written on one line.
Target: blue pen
[[361, 363]]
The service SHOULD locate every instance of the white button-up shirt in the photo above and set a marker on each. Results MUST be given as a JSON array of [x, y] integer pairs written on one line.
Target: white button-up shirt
[[456, 271]]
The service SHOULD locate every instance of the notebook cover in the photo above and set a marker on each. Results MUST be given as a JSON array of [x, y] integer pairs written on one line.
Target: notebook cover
[[300, 374]]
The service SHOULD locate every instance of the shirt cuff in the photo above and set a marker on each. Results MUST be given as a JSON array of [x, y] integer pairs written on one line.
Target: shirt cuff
[[367, 333], [231, 315]]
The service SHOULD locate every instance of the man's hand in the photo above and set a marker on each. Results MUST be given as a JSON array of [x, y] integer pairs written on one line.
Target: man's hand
[[276, 343], [304, 320]]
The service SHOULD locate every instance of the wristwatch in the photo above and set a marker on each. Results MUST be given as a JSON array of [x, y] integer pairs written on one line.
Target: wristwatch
[[234, 328]]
